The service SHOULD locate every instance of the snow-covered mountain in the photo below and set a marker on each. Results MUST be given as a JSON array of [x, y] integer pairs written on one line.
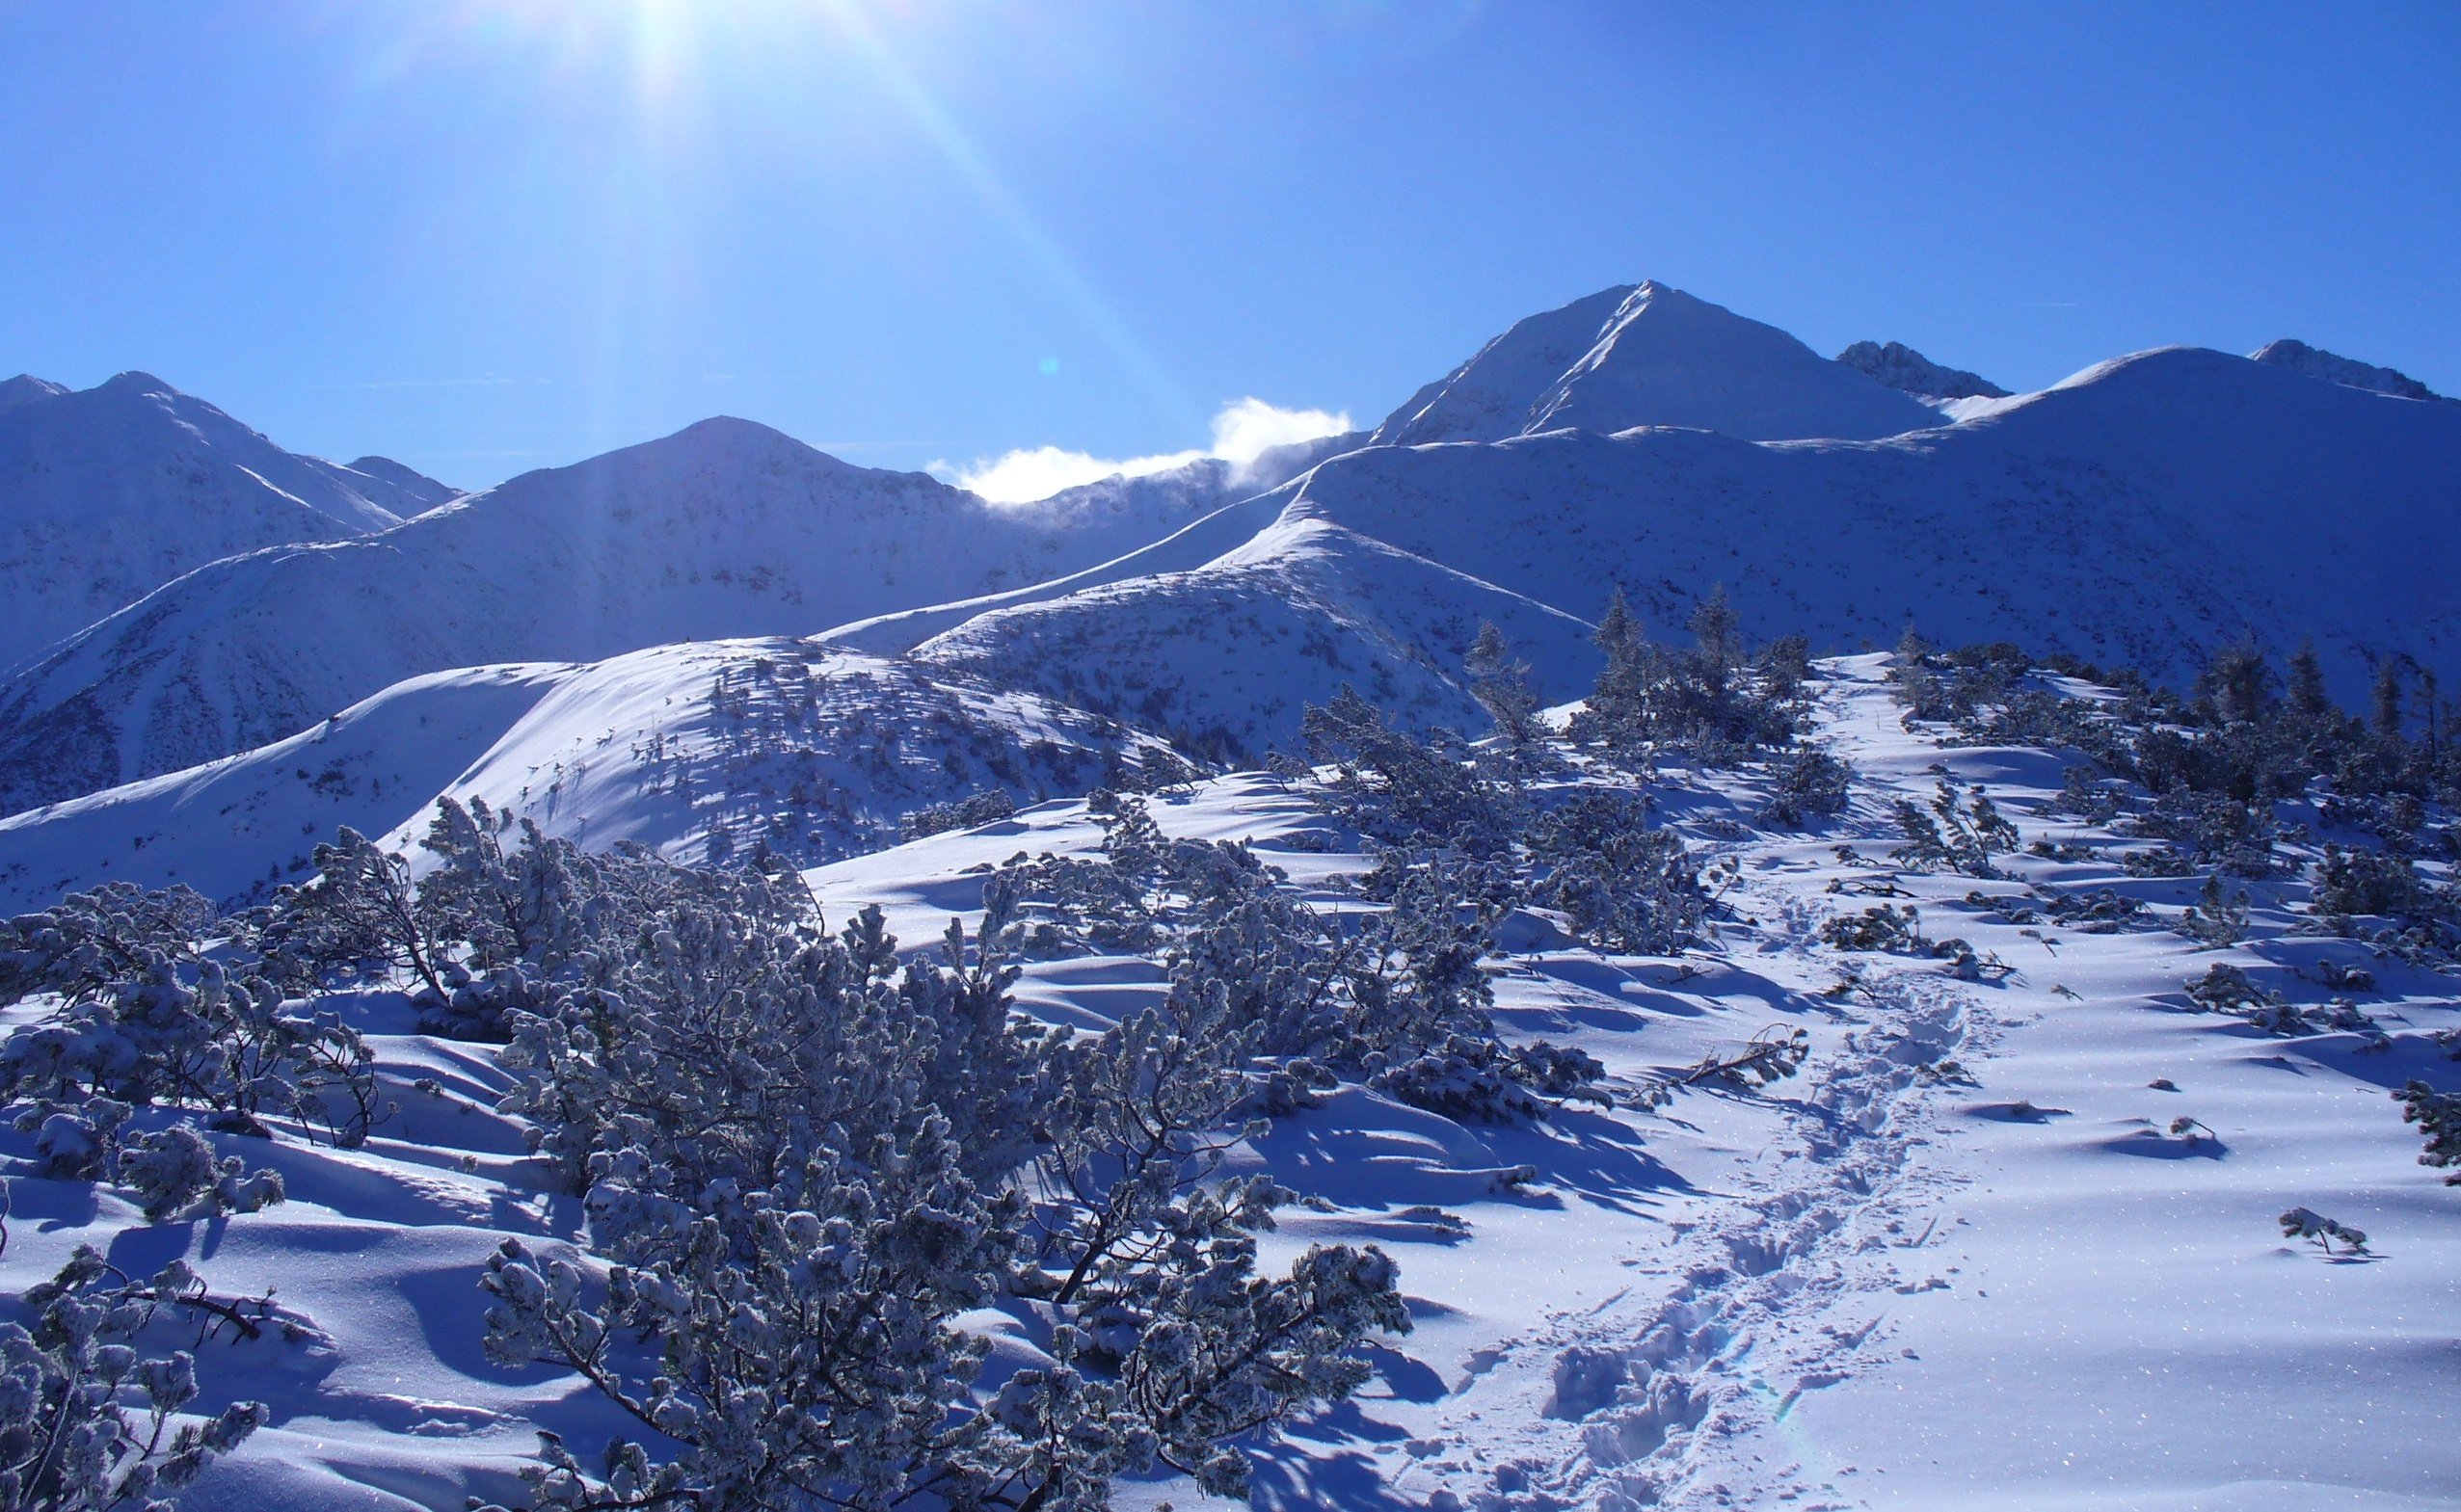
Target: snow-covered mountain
[[700, 750], [1225, 658], [725, 529], [111, 491], [1648, 355], [2139, 515], [2300, 357], [1901, 366]]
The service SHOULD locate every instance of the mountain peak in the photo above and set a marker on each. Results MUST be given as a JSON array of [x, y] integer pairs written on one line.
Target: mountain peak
[[134, 382], [2300, 357], [26, 389], [1649, 354], [1900, 366]]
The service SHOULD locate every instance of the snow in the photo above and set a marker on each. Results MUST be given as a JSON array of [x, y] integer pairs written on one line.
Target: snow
[[110, 491], [2138, 514], [726, 530], [1649, 355], [2186, 479], [1901, 366], [694, 750], [2300, 357], [1861, 1286]]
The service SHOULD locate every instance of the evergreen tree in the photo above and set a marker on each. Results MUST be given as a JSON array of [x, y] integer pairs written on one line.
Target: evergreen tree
[[2308, 694], [2236, 685], [1501, 685], [2385, 715], [1623, 680], [1715, 626]]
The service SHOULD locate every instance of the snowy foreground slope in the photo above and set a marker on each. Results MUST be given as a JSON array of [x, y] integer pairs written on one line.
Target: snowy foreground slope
[[108, 492], [1958, 1260]]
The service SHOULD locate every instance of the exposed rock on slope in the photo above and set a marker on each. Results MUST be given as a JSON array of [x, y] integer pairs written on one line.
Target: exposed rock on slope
[[2300, 357], [1901, 366]]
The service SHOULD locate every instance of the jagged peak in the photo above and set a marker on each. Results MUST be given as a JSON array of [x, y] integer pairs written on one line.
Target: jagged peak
[[2314, 363], [1902, 367]]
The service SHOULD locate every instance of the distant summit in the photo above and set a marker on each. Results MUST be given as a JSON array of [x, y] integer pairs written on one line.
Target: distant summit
[[2300, 357], [107, 494], [1902, 367], [1649, 355], [26, 389], [415, 491]]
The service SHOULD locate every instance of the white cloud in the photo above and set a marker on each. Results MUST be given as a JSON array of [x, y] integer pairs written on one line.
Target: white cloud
[[1021, 477], [1244, 430]]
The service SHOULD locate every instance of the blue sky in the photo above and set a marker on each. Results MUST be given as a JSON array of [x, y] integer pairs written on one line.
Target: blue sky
[[488, 236]]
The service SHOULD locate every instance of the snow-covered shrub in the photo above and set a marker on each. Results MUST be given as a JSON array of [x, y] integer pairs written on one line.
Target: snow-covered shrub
[[89, 1421], [1897, 929], [1402, 790], [1703, 701], [1807, 783], [2352, 882], [2438, 1115], [175, 1174], [2209, 828], [90, 941], [1481, 1081], [964, 813], [1501, 684], [2226, 989], [806, 1130], [2217, 918], [2300, 1223], [1960, 831], [185, 1033], [778, 1130], [359, 912], [1625, 885]]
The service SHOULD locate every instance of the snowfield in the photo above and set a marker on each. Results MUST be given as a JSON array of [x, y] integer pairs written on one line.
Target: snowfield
[[1958, 1260]]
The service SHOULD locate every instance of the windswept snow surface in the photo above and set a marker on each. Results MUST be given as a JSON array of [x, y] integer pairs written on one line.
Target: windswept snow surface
[[725, 529], [1648, 355], [108, 492], [1884, 1283], [700, 750]]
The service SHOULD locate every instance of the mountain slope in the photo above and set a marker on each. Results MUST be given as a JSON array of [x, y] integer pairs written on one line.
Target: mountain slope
[[1227, 658], [698, 751], [2300, 357], [108, 492], [2138, 514], [725, 529], [1648, 355], [1900, 366]]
